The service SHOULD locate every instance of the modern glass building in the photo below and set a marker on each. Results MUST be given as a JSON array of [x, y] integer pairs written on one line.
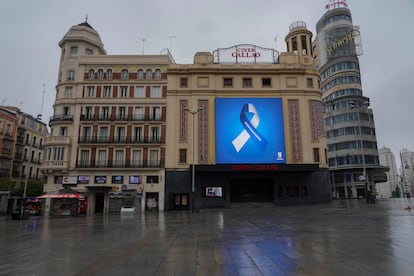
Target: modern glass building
[[349, 121]]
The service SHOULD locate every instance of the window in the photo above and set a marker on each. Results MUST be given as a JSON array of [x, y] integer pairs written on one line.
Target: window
[[154, 162], [157, 74], [156, 92], [139, 92], [228, 82], [183, 82], [103, 134], [66, 110], [137, 134], [124, 91], [122, 112], [73, 51], [119, 158], [90, 91], [109, 74], [155, 134], [140, 74], [156, 113], [105, 113], [124, 74], [120, 135], [100, 74], [88, 112], [84, 157], [152, 179], [88, 52], [139, 113], [63, 131], [101, 158], [266, 82], [68, 92], [247, 82], [107, 91], [183, 156], [91, 74], [71, 75], [149, 74], [294, 45], [309, 82], [136, 158], [316, 155], [86, 133]]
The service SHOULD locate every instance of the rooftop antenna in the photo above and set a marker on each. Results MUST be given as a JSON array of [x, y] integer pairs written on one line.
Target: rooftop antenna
[[143, 45], [275, 39], [86, 18], [171, 41], [4, 101]]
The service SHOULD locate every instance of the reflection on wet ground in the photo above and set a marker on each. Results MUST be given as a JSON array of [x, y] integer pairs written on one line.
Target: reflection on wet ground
[[345, 237]]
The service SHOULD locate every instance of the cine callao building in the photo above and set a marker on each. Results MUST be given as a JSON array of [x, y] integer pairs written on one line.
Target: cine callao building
[[349, 122], [245, 124]]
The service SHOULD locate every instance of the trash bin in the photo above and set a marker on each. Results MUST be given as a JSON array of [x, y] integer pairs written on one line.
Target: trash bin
[[16, 214]]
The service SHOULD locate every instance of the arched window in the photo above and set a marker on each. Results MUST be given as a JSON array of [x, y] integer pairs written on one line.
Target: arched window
[[88, 52], [157, 74], [140, 74], [100, 74], [124, 74], [91, 74], [71, 75], [109, 74], [148, 75]]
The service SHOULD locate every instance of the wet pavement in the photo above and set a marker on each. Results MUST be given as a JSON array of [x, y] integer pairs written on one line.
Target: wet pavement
[[345, 237]]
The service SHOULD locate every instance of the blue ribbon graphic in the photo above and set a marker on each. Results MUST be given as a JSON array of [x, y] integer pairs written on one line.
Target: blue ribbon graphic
[[250, 126]]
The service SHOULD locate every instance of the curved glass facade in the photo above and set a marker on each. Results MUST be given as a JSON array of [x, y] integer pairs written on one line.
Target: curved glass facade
[[349, 122]]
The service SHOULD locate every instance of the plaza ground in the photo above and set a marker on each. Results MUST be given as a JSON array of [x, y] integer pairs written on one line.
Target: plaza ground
[[345, 237]]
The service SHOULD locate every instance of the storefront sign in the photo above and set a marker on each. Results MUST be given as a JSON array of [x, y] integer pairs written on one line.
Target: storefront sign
[[254, 167], [245, 53], [70, 180], [345, 39], [83, 179]]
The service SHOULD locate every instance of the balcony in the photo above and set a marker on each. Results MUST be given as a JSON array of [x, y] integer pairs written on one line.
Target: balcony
[[61, 118], [119, 164], [120, 140], [57, 140], [87, 117], [55, 165]]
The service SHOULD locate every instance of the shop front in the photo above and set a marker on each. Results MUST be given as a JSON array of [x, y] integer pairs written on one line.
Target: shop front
[[63, 204]]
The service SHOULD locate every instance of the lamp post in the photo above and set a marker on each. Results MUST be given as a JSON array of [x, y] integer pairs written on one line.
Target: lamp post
[[368, 197], [24, 195], [193, 188]]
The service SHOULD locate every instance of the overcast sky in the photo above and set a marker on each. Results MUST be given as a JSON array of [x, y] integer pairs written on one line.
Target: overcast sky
[[29, 51]]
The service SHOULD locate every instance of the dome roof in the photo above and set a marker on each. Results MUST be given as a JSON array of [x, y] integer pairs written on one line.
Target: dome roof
[[83, 32]]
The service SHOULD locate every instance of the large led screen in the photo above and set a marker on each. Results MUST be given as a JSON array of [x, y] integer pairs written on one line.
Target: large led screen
[[249, 130]]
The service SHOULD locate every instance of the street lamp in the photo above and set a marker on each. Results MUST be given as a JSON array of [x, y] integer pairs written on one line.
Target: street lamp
[[193, 188], [368, 197]]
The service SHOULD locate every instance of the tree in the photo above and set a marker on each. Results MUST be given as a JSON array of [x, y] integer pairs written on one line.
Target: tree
[[396, 192], [34, 188], [6, 184]]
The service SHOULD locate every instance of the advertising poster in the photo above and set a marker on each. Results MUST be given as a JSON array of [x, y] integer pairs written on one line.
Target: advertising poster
[[249, 130]]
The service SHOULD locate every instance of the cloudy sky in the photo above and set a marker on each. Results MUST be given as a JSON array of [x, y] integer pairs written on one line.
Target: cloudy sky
[[29, 51]]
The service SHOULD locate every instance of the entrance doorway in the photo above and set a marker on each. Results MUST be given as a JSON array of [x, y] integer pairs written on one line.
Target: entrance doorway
[[99, 203], [251, 190]]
